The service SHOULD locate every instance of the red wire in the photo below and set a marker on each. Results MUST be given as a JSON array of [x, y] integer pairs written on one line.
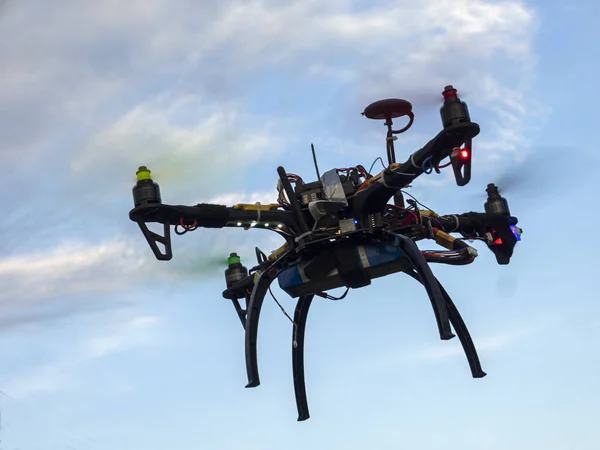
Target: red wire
[[191, 227]]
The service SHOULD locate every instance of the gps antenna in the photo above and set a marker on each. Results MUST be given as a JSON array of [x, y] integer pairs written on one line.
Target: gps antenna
[[312, 147]]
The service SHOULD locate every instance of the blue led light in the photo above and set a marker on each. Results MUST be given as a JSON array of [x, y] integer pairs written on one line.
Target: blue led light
[[513, 228]]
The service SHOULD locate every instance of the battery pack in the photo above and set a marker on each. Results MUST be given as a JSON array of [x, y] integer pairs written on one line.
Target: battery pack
[[377, 260]]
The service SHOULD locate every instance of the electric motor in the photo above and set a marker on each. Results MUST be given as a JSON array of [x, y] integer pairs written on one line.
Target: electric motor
[[453, 110], [235, 271], [145, 190], [495, 204]]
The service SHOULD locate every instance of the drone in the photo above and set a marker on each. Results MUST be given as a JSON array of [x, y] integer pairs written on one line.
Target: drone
[[347, 228]]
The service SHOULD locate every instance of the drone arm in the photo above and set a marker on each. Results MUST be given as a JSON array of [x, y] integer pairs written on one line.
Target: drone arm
[[375, 196], [461, 329], [415, 256], [300, 316], [498, 230], [207, 215]]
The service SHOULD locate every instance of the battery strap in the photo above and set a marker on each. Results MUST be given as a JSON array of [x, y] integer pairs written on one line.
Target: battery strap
[[321, 265], [346, 260], [350, 268]]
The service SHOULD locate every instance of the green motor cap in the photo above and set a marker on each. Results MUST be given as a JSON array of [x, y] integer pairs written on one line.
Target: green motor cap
[[233, 259]]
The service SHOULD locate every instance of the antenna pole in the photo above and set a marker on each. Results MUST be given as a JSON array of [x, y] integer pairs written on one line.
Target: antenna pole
[[312, 147], [391, 153]]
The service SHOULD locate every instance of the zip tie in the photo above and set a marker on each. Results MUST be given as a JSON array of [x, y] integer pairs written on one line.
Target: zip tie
[[257, 211], [298, 238], [412, 161], [457, 222], [396, 187]]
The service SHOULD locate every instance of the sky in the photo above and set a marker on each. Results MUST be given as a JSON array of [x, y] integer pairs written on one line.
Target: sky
[[104, 347]]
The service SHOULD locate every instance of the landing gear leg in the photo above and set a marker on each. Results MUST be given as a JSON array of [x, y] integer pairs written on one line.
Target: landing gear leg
[[300, 316], [460, 327], [252, 317]]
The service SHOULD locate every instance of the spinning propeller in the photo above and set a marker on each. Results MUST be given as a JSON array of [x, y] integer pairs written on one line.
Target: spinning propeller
[[424, 100], [536, 177]]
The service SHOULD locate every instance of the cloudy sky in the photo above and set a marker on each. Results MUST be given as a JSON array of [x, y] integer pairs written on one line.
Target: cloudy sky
[[103, 347]]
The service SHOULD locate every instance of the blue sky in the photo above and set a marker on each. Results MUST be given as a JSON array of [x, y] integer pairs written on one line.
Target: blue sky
[[103, 347]]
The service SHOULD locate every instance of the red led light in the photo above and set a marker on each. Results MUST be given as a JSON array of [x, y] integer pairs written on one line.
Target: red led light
[[464, 154], [498, 241]]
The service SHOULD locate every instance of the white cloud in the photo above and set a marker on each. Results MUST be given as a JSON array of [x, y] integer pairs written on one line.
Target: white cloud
[[84, 57], [47, 379], [60, 261], [83, 265], [64, 280], [230, 199], [204, 155], [62, 374], [134, 333]]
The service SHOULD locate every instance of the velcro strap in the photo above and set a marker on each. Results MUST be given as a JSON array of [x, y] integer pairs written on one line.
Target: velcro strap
[[350, 268]]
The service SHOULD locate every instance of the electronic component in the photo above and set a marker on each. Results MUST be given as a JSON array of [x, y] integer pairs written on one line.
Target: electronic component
[[444, 239], [375, 220], [321, 210], [347, 225], [310, 192]]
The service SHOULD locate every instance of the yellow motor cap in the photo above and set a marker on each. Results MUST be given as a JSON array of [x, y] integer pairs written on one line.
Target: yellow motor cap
[[143, 173]]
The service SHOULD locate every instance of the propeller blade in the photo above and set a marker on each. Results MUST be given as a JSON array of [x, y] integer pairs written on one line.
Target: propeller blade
[[544, 172], [432, 98], [197, 266], [168, 171], [210, 258]]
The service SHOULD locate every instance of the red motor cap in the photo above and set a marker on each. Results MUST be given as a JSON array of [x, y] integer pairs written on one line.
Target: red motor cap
[[449, 92]]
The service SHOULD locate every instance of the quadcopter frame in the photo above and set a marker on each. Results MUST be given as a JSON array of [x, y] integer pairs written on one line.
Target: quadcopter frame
[[324, 253]]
